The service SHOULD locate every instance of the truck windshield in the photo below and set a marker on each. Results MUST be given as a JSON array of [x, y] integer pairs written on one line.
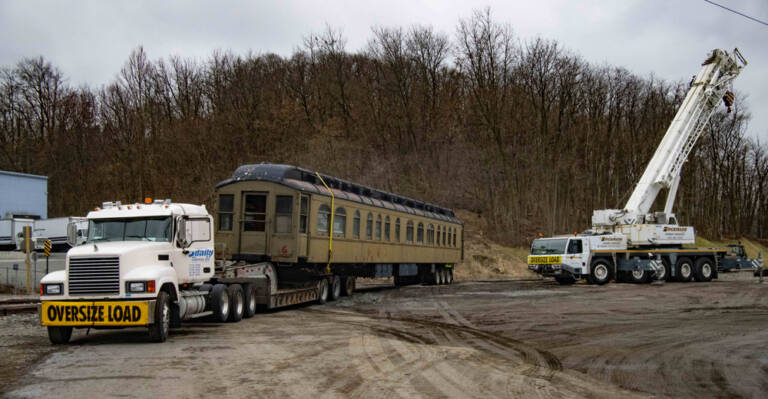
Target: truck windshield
[[544, 247], [133, 229]]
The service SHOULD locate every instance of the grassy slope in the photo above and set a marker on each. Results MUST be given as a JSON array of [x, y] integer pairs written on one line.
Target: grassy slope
[[485, 259]]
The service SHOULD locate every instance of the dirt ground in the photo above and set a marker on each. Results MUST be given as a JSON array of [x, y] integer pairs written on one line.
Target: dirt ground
[[493, 339]]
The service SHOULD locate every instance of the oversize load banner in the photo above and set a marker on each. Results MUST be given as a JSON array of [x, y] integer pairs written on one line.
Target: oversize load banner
[[133, 313], [545, 260]]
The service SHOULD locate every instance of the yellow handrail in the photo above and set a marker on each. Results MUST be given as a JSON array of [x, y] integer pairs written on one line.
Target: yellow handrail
[[330, 228]]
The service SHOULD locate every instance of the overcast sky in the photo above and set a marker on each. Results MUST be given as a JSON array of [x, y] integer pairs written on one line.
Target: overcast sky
[[90, 40]]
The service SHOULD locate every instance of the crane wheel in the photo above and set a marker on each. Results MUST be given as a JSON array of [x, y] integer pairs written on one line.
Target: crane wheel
[[600, 272], [684, 270], [703, 269], [322, 291], [638, 276]]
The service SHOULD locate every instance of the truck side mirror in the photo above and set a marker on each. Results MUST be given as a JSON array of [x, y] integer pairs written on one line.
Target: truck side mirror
[[72, 234], [181, 237]]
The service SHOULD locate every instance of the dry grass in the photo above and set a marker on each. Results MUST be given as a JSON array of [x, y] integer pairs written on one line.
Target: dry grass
[[485, 259]]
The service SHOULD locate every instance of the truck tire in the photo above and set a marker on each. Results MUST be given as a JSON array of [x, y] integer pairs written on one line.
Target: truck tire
[[158, 332], [322, 291], [599, 272], [436, 277], [236, 303], [249, 295], [335, 289], [449, 276], [684, 270], [59, 335], [638, 276], [565, 280], [348, 286], [220, 303], [703, 269], [664, 274]]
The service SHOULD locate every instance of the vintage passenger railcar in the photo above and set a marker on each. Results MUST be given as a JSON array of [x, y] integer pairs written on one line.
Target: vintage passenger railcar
[[312, 225]]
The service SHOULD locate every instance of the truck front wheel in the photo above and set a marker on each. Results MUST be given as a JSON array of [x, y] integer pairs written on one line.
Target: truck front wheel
[[600, 272], [158, 332], [59, 335], [220, 303]]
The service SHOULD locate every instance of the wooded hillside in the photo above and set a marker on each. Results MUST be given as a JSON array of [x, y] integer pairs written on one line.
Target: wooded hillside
[[524, 132]]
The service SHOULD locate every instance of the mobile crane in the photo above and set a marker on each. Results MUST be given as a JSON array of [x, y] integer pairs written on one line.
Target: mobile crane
[[634, 241]]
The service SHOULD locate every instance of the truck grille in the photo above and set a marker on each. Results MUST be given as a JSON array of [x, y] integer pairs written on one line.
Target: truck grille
[[94, 275]]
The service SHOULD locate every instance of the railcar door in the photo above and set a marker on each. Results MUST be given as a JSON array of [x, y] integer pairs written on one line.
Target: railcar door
[[303, 225], [253, 223]]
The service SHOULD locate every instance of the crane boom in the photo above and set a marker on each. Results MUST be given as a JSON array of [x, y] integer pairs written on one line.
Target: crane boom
[[707, 89], [663, 170]]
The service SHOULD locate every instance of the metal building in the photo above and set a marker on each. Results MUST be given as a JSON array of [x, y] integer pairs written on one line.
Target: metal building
[[23, 195]]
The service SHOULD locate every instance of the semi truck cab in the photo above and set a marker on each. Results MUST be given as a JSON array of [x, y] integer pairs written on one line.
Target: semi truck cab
[[130, 269]]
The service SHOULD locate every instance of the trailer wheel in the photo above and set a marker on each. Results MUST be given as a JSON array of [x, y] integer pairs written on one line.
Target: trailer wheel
[[565, 280], [348, 288], [684, 269], [236, 303], [249, 294], [335, 291], [702, 271], [220, 303], [59, 335], [600, 272], [158, 332], [322, 291]]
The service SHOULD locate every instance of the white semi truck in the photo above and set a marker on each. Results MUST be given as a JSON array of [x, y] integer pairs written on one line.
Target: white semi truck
[[634, 243], [152, 265]]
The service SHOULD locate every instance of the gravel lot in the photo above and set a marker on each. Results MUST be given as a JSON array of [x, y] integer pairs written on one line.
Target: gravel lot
[[471, 339]]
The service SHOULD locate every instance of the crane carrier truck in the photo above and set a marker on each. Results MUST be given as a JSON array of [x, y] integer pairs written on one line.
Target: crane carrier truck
[[634, 243]]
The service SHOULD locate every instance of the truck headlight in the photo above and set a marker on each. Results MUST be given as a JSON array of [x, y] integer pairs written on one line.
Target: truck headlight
[[50, 289], [141, 286]]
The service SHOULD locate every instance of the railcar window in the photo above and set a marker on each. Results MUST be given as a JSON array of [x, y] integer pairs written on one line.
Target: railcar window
[[255, 212], [303, 215], [431, 234], [386, 228], [397, 230], [444, 234], [340, 222], [409, 232], [369, 227], [356, 225], [226, 211], [420, 234], [378, 227], [323, 217], [454, 237], [283, 213], [438, 233]]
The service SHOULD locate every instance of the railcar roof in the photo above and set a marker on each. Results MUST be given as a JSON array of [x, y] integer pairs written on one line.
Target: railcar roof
[[306, 180]]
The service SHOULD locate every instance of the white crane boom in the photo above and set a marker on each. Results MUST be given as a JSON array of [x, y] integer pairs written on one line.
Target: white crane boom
[[663, 170]]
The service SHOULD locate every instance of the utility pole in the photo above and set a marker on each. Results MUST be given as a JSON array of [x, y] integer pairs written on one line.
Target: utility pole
[[27, 239]]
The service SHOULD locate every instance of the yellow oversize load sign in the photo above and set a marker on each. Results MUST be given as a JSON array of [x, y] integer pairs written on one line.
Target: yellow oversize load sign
[[134, 313], [545, 259]]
